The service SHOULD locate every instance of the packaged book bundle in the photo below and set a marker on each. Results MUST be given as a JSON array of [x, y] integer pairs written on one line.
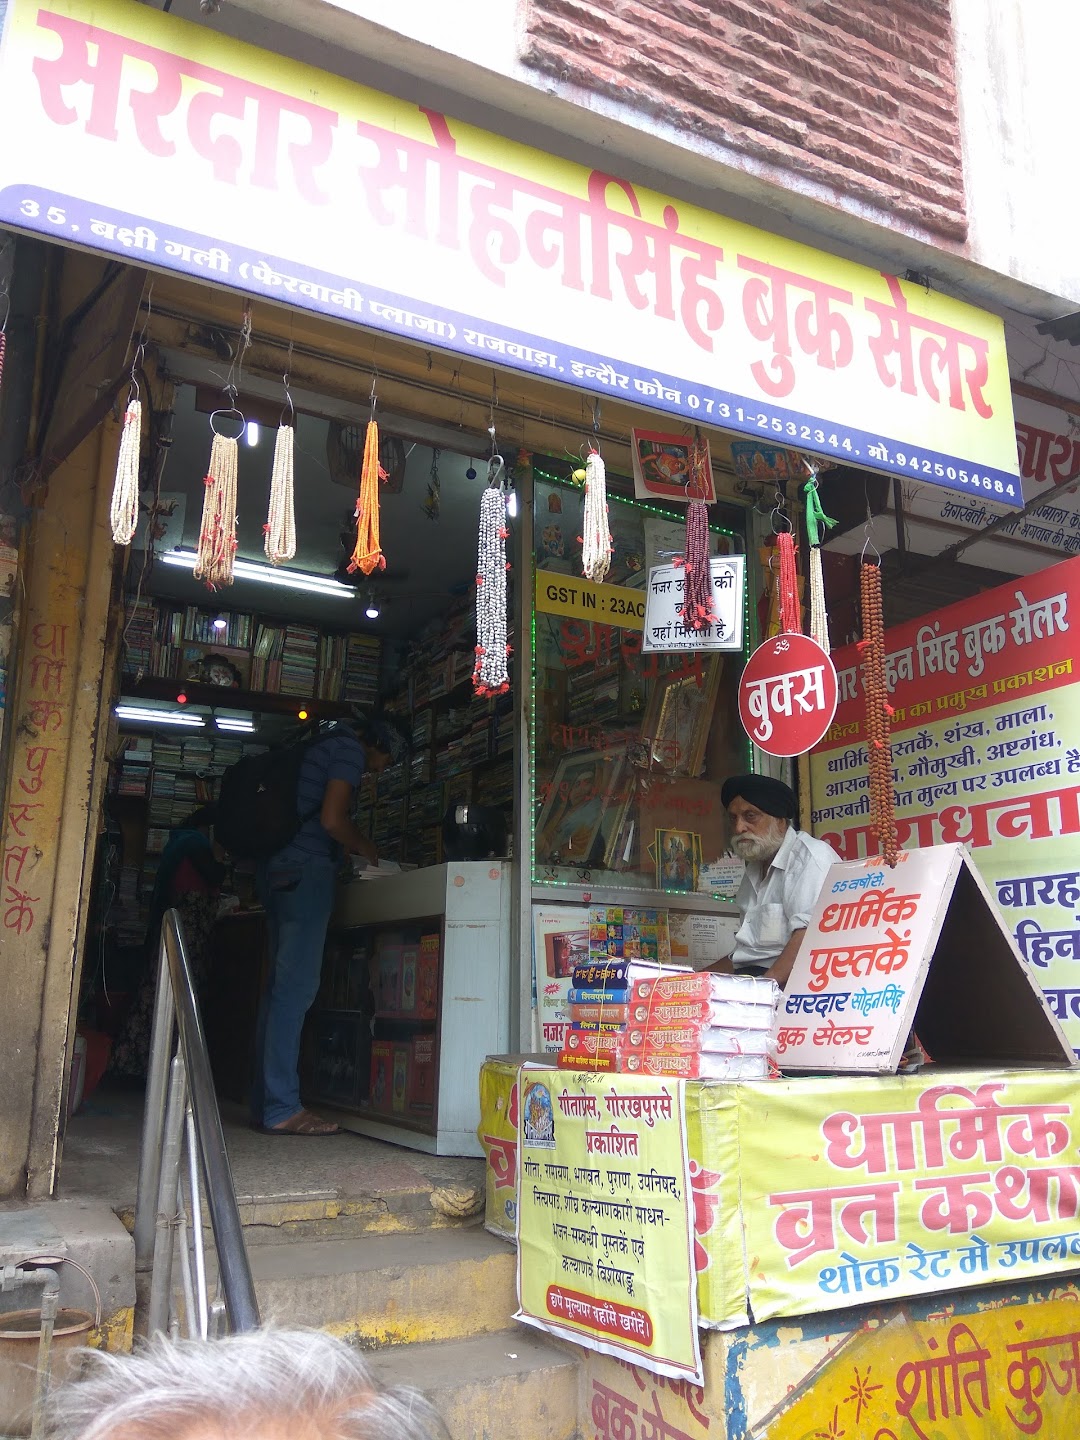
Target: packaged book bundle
[[637, 1018]]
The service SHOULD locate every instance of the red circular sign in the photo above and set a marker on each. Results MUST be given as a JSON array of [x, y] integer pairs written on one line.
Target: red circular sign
[[787, 695]]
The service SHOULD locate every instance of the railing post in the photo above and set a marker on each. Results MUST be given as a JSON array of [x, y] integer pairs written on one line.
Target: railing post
[[161, 1278], [161, 1037]]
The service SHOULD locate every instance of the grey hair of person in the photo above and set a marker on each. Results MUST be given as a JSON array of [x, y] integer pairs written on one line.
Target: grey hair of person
[[275, 1382]]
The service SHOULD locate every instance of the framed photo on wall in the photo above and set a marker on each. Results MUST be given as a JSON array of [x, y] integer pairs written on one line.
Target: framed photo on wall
[[678, 717], [579, 809]]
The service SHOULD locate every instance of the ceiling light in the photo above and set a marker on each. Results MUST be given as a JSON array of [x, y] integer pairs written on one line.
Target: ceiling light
[[372, 609], [231, 722], [268, 575], [251, 432], [221, 623], [144, 715]]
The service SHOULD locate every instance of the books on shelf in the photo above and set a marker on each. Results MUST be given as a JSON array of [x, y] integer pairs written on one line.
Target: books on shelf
[[163, 639]]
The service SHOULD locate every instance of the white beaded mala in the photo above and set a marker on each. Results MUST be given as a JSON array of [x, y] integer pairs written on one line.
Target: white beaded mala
[[491, 673], [595, 527], [217, 534], [124, 512], [279, 542], [817, 522]]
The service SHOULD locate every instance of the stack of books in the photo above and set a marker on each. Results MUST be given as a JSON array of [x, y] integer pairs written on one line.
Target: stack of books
[[698, 1026], [650, 1020], [299, 660], [140, 622], [360, 679]]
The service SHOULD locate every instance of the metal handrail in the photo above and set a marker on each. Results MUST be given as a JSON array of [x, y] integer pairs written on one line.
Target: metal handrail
[[181, 1115]]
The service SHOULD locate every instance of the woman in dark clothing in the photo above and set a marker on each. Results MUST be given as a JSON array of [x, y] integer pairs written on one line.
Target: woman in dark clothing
[[189, 881]]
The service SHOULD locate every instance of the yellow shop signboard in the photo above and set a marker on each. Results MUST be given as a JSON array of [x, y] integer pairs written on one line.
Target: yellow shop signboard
[[170, 144]]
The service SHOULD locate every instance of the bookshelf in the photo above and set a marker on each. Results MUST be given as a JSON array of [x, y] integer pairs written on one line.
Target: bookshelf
[[155, 782], [167, 641], [462, 747]]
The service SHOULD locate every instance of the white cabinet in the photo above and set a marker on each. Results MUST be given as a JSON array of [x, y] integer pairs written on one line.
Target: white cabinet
[[468, 904]]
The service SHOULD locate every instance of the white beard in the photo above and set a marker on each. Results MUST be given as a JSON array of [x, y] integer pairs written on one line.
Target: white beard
[[757, 848]]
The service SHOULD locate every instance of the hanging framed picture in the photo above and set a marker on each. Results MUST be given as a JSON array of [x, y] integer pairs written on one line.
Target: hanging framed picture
[[662, 467], [579, 810], [678, 717]]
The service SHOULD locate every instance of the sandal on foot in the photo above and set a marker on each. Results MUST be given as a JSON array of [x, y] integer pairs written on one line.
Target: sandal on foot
[[303, 1123]]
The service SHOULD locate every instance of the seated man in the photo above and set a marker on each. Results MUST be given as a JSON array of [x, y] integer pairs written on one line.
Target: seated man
[[785, 870]]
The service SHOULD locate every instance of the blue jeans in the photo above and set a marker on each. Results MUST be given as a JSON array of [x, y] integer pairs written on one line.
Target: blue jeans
[[298, 898]]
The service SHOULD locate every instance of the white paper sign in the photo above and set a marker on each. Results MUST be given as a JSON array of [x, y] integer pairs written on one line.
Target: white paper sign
[[851, 997], [664, 628]]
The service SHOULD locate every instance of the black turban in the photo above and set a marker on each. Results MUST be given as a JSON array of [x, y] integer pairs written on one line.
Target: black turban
[[770, 796]]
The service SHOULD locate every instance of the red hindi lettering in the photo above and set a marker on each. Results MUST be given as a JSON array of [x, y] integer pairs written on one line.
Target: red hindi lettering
[[224, 96], [938, 351], [957, 1208], [19, 910], [49, 638], [818, 331], [45, 715], [35, 759], [20, 816], [47, 675], [14, 861]]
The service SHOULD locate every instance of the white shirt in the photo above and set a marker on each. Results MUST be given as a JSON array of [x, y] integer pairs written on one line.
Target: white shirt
[[782, 899]]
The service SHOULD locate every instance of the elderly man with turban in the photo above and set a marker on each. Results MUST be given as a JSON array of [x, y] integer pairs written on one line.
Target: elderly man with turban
[[785, 870]]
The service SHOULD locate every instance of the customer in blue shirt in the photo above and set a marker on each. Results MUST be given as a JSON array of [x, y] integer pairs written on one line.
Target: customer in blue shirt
[[297, 886]]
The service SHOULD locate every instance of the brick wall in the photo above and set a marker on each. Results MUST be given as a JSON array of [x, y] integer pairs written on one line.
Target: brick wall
[[855, 95]]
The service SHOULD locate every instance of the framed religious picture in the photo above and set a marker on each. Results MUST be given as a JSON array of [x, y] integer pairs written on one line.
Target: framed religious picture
[[678, 717], [579, 810]]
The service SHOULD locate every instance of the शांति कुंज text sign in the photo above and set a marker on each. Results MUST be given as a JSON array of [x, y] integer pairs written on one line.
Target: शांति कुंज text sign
[[605, 1237], [135, 127]]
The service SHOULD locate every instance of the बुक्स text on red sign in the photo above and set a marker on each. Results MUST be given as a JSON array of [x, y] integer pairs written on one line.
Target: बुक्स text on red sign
[[787, 695]]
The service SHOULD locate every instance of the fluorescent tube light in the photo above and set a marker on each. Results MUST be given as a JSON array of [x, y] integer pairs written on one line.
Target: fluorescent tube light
[[269, 575], [144, 715], [225, 722]]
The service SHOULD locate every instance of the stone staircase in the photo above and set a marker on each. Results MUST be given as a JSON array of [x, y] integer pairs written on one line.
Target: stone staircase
[[431, 1299]]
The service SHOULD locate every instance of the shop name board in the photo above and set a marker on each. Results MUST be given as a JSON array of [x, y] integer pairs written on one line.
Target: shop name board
[[135, 127]]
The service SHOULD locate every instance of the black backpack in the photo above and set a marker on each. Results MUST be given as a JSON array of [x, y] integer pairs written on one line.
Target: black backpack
[[256, 809]]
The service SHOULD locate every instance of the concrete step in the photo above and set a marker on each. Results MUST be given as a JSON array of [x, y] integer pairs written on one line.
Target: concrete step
[[491, 1387], [308, 1215], [381, 1290]]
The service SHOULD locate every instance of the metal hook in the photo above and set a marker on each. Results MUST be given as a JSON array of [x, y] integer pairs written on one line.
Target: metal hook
[[496, 469], [372, 396], [868, 536], [596, 417], [230, 410]]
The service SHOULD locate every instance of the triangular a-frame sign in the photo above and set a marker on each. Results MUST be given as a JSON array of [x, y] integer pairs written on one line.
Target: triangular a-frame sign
[[920, 946]]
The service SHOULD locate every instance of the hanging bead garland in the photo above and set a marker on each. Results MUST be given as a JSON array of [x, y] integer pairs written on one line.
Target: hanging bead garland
[[279, 540], [596, 541], [817, 522], [698, 608], [491, 673], [3, 348], [217, 534], [124, 512], [878, 714], [367, 555], [788, 584]]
